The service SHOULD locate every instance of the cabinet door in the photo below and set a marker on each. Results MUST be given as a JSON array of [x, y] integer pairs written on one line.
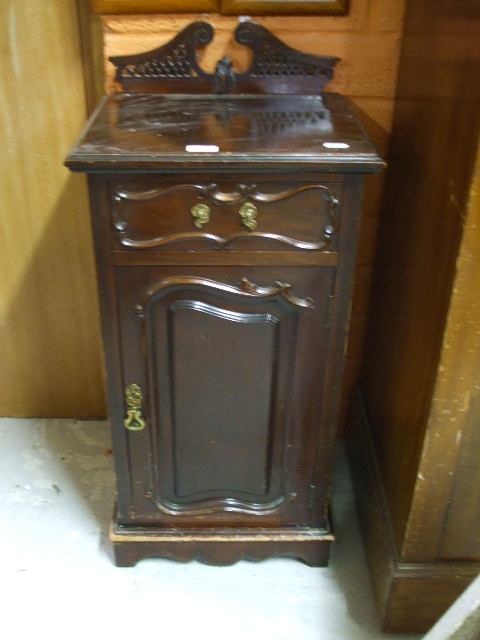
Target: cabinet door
[[231, 367]]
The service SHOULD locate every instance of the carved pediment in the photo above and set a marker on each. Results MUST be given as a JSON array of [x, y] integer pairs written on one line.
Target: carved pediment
[[275, 67]]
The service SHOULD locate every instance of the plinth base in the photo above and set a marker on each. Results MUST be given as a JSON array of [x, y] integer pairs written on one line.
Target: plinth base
[[219, 547]]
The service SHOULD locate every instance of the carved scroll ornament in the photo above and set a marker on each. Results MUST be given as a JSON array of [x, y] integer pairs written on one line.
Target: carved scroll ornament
[[174, 68], [239, 195], [245, 289]]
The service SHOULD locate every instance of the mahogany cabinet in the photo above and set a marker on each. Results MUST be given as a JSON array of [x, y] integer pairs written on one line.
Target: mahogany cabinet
[[225, 230]]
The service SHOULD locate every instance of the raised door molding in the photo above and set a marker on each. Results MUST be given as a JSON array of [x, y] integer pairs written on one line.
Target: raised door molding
[[225, 7]]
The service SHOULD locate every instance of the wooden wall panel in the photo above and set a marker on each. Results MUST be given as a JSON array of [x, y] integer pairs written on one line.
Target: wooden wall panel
[[49, 333]]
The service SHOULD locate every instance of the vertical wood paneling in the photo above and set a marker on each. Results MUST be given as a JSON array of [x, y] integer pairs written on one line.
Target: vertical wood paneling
[[91, 44], [49, 333], [411, 367], [417, 477], [454, 436]]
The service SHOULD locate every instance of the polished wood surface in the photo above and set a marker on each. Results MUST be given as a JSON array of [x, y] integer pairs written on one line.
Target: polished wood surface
[[152, 132], [50, 335], [420, 369]]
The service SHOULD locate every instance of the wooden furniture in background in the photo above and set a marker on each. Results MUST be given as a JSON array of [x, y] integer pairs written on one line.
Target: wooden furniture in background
[[225, 7], [225, 229], [419, 408], [462, 620]]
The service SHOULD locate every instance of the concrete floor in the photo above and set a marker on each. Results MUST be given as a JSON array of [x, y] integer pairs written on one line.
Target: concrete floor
[[57, 578]]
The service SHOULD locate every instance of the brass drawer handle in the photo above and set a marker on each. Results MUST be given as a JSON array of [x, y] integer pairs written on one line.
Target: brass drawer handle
[[201, 213], [248, 213], [134, 398]]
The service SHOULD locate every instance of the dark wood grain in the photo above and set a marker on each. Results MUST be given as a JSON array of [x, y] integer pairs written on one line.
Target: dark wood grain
[[152, 132]]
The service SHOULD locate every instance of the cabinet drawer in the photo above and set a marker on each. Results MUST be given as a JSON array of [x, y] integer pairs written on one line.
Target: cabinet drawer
[[225, 214]]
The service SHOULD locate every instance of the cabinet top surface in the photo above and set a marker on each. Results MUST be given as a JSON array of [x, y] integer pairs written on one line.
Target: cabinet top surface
[[148, 132]]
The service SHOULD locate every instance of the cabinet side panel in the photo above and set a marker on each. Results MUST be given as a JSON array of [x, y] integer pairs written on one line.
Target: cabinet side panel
[[433, 145]]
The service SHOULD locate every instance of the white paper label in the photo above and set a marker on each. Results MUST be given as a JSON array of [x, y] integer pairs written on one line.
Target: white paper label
[[336, 145], [202, 148]]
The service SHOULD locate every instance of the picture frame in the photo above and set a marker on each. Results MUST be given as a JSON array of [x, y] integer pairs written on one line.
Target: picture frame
[[224, 7]]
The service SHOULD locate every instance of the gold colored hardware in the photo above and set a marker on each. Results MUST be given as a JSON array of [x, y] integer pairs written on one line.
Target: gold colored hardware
[[134, 398], [201, 213], [248, 213]]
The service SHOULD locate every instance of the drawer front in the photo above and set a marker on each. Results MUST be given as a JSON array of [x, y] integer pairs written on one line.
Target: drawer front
[[227, 215]]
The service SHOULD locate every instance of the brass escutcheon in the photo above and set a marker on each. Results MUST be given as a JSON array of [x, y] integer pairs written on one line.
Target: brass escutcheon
[[134, 398], [248, 213], [201, 213]]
